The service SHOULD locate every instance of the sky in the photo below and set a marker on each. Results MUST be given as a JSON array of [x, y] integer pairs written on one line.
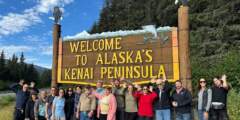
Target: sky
[[26, 25]]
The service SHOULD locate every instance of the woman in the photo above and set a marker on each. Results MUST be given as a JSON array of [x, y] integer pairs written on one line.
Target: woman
[[69, 104], [145, 102], [130, 103], [107, 105], [58, 106], [29, 110], [204, 100], [40, 107]]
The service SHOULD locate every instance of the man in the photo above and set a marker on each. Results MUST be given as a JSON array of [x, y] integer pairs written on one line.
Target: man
[[220, 90], [181, 102], [49, 102], [86, 105], [40, 107], [163, 102], [22, 96], [118, 91], [77, 95]]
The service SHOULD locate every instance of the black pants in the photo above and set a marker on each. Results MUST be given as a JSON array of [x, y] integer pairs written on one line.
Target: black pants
[[95, 115], [144, 118], [41, 118], [220, 114], [120, 114], [131, 116], [103, 117], [19, 114]]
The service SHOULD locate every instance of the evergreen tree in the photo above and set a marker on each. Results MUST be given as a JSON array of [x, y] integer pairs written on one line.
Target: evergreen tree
[[13, 69], [2, 66], [46, 78], [32, 74], [22, 67]]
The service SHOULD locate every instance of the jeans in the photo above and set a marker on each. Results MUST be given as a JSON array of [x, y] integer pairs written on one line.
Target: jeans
[[120, 114], [201, 115], [164, 114], [183, 116], [84, 116], [220, 114]]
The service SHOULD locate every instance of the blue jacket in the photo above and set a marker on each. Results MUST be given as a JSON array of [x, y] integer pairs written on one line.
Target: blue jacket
[[21, 96]]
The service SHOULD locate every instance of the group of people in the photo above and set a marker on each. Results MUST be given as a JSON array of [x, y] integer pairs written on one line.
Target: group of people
[[157, 100]]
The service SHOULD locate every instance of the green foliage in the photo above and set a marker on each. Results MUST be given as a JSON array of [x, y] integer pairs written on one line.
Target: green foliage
[[234, 105], [45, 78], [15, 69], [6, 100], [214, 31], [210, 67]]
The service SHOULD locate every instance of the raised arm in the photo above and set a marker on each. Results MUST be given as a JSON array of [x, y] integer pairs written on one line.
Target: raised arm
[[14, 87], [97, 95], [225, 84]]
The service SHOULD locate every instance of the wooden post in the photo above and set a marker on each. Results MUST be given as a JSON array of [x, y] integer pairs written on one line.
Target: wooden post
[[183, 36], [56, 37]]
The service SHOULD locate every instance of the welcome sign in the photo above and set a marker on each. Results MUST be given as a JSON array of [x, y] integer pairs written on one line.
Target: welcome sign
[[134, 55]]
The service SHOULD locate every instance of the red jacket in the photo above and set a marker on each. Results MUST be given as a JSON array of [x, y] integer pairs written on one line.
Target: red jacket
[[145, 103]]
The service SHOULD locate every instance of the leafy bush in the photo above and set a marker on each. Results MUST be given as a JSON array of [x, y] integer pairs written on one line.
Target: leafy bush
[[234, 105], [6, 100]]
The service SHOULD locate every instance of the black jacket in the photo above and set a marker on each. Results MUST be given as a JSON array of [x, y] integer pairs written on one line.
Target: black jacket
[[184, 101], [69, 107], [29, 110], [163, 102]]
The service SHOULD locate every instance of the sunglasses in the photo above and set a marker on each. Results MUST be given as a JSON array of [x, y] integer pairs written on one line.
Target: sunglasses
[[144, 89], [202, 81]]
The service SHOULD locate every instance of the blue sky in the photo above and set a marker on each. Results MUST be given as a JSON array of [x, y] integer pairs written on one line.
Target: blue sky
[[25, 25]]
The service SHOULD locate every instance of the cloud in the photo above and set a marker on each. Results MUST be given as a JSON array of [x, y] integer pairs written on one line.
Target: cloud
[[14, 49], [33, 38], [46, 50], [45, 65], [17, 22], [31, 60]]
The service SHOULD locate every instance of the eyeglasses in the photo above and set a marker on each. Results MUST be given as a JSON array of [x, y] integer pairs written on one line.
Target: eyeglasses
[[202, 81], [144, 89]]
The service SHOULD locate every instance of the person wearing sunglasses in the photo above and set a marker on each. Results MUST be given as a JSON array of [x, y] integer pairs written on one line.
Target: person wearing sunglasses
[[69, 104], [145, 102], [204, 100]]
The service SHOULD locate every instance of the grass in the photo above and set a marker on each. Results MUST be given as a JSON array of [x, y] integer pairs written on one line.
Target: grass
[[6, 112], [7, 107]]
